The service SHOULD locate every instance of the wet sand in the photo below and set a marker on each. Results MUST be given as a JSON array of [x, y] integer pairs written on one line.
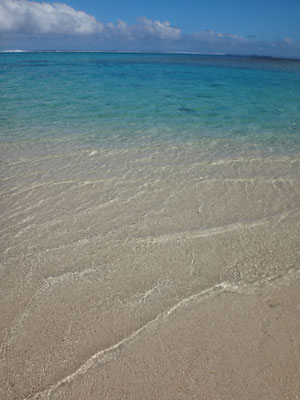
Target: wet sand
[[154, 273]]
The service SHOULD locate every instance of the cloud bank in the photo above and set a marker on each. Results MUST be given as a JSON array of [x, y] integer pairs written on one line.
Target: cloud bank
[[22, 16], [32, 25], [29, 17]]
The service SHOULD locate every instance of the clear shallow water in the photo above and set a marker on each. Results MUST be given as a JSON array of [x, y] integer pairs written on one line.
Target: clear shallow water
[[113, 100]]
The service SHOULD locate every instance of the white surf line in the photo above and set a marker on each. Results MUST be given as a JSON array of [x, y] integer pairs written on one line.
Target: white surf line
[[251, 160], [199, 233], [143, 297], [105, 355]]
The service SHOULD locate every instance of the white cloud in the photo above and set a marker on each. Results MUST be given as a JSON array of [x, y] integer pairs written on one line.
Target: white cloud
[[211, 36], [23, 16], [144, 29], [288, 41], [161, 30]]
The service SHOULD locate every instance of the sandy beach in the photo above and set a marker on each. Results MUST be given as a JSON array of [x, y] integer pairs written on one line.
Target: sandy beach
[[121, 281]]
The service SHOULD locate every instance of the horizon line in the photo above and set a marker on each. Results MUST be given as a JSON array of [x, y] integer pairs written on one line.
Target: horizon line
[[150, 52]]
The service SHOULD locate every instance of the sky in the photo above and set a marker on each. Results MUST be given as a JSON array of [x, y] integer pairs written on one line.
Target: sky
[[262, 27]]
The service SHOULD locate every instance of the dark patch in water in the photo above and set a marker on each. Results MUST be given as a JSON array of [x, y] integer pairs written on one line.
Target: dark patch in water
[[26, 64], [118, 74], [185, 109]]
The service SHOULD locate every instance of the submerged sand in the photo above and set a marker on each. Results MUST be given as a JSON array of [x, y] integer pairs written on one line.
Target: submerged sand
[[154, 273]]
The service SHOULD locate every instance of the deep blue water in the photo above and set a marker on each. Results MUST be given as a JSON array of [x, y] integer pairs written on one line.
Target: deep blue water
[[113, 99]]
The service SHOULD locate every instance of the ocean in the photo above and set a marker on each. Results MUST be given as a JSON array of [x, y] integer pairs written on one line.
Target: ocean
[[137, 190], [121, 99]]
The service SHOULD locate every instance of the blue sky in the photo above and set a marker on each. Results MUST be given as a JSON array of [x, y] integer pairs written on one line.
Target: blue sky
[[263, 18], [229, 26]]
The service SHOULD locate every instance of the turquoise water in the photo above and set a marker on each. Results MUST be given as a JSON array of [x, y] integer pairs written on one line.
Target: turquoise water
[[119, 99]]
